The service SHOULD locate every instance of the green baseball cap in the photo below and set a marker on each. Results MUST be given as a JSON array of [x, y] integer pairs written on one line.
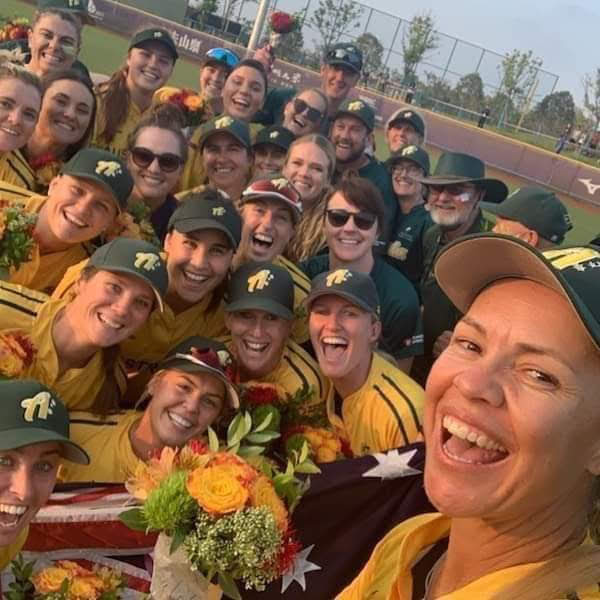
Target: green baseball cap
[[537, 209], [208, 356], [134, 257], [412, 153], [105, 168], [359, 109], [31, 413], [454, 167], [467, 266], [276, 135], [155, 34], [208, 209], [226, 124], [79, 8], [357, 288], [261, 286], [345, 55], [409, 116]]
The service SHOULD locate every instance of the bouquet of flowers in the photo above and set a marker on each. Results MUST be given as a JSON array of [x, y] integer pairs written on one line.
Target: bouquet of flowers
[[16, 354], [280, 24], [134, 223], [192, 105], [324, 444], [65, 580], [16, 236], [14, 29], [46, 167], [220, 518]]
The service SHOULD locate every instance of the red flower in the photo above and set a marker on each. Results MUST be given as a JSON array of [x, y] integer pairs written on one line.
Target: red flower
[[197, 447], [282, 22], [42, 160], [289, 548], [346, 449], [258, 394]]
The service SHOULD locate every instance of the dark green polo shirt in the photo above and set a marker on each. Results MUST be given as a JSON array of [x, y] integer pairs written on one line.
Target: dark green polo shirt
[[405, 251], [401, 334], [272, 111]]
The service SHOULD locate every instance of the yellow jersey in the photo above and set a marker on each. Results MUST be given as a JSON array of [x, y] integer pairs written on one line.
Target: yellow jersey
[[43, 271], [385, 413], [193, 173], [8, 553], [388, 573], [12, 193], [15, 169], [107, 441], [78, 387]]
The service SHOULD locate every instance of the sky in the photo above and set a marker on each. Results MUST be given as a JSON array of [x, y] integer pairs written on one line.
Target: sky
[[564, 34]]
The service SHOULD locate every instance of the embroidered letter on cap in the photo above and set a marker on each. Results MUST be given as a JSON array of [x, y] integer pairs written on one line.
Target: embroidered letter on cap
[[260, 280]]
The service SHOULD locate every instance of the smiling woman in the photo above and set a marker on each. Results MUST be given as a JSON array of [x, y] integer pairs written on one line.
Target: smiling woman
[[511, 427]]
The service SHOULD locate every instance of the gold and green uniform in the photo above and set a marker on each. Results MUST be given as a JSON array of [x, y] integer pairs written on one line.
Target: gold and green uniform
[[15, 169], [77, 387], [8, 553], [385, 413], [390, 572], [106, 440], [44, 271], [12, 193], [163, 330], [296, 370], [118, 144], [193, 173], [300, 332]]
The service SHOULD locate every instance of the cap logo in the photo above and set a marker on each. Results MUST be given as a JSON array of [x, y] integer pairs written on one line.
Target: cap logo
[[158, 34], [356, 105], [224, 358], [43, 402], [218, 211], [73, 3], [108, 168], [260, 280], [408, 114], [280, 183], [274, 134], [338, 277], [340, 53], [573, 257], [225, 121], [409, 150], [146, 260]]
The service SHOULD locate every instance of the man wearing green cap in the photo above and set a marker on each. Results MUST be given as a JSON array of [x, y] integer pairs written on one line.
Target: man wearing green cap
[[534, 215], [221, 155], [404, 128], [350, 133], [203, 235], [456, 190], [75, 340], [270, 148], [82, 203], [405, 251], [34, 437], [372, 403], [259, 316], [190, 390]]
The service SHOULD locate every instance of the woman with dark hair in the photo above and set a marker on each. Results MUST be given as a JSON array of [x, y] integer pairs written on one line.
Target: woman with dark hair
[[156, 153], [127, 96], [354, 217], [64, 125]]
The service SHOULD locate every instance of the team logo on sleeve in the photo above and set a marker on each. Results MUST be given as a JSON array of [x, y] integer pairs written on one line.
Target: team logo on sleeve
[[146, 260], [356, 105], [42, 402], [338, 277], [225, 121], [397, 251], [218, 211], [108, 168], [260, 280], [579, 259]]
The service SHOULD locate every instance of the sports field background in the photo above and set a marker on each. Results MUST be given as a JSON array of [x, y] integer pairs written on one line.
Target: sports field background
[[104, 52]]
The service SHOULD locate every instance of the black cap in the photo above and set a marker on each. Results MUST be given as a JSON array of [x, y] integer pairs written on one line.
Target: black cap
[[347, 55], [262, 286], [155, 34], [411, 117], [226, 124], [359, 109], [412, 153], [275, 135]]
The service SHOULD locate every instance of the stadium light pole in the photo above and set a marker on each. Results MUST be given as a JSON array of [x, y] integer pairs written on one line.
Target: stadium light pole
[[261, 14]]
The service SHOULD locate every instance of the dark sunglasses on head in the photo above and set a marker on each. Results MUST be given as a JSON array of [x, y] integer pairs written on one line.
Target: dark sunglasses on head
[[337, 217], [312, 114], [167, 162], [223, 55], [348, 55]]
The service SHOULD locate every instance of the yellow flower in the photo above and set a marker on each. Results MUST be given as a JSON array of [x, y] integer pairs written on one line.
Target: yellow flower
[[216, 490], [325, 455], [49, 580], [148, 476], [85, 588], [262, 493], [193, 102]]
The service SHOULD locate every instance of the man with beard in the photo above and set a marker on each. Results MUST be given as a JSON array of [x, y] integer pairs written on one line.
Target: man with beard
[[404, 128], [350, 135], [456, 190]]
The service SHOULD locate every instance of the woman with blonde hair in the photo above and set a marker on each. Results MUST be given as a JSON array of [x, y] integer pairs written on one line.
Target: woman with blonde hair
[[512, 429], [309, 165]]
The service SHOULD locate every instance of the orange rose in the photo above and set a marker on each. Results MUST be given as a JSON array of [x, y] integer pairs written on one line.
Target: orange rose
[[49, 580], [217, 490], [262, 493], [85, 588], [193, 102], [236, 466]]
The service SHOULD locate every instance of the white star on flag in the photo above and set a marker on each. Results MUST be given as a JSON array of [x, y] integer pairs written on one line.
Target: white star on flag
[[298, 569], [392, 465]]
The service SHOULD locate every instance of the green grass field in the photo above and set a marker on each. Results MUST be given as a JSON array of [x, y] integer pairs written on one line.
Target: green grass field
[[104, 52]]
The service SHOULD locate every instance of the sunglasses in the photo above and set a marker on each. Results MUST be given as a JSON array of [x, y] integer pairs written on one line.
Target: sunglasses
[[223, 55], [167, 162], [338, 217], [312, 114], [458, 190]]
